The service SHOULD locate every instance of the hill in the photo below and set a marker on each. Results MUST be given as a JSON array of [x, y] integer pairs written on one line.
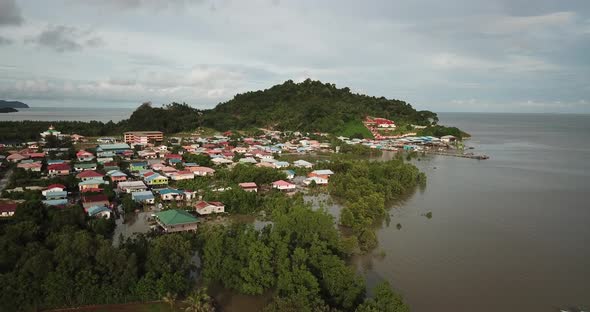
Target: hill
[[12, 104], [7, 110], [309, 106]]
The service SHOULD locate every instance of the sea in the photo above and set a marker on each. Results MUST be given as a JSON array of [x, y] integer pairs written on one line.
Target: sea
[[510, 233], [104, 114]]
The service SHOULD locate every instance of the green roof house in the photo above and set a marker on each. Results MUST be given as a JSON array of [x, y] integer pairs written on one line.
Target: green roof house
[[176, 221]]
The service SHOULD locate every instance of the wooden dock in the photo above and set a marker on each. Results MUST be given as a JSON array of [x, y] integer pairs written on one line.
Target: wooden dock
[[469, 156]]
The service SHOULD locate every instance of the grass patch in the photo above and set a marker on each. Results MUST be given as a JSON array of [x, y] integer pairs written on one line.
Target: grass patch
[[355, 128]]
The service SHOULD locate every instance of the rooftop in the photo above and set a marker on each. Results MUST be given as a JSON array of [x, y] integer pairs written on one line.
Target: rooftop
[[175, 217]]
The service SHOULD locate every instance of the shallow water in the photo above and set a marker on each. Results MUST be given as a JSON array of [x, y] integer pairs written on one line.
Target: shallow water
[[507, 234]]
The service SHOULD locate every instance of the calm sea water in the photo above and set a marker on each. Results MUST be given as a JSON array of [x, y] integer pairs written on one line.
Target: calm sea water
[[510, 233], [69, 113]]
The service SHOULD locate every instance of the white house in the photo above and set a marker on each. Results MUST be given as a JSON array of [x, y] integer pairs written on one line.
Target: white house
[[302, 164], [205, 208], [182, 175], [283, 185], [318, 181]]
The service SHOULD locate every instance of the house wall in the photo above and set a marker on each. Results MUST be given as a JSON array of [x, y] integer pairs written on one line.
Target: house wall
[[181, 228]]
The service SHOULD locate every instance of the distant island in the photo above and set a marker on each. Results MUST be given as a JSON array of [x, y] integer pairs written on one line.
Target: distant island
[[12, 104], [7, 110]]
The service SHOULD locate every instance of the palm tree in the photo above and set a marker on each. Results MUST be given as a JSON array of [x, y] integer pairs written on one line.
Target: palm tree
[[199, 301], [170, 299]]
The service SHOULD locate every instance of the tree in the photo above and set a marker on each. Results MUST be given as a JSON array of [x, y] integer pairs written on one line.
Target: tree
[[385, 300], [199, 301], [170, 299]]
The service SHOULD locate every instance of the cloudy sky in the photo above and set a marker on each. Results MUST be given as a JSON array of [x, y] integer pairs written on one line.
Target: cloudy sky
[[453, 55]]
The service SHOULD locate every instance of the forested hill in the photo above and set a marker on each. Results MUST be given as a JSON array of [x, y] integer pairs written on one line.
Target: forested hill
[[12, 104], [308, 106]]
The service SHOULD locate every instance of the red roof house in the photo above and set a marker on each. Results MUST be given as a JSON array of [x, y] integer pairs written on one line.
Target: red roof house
[[89, 174], [7, 209], [59, 169], [94, 200]]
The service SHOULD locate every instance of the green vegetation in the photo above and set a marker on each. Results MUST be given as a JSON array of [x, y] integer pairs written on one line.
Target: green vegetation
[[439, 131], [355, 129], [300, 256], [365, 186], [308, 106], [359, 150], [54, 258]]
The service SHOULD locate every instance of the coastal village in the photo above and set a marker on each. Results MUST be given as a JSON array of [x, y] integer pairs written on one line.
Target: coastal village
[[143, 170]]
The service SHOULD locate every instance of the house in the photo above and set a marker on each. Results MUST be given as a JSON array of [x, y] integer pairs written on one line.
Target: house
[[205, 208], [221, 161], [109, 150], [84, 166], [78, 138], [89, 174], [325, 172], [36, 155], [145, 197], [62, 169], [55, 161], [91, 185], [117, 176], [171, 194], [56, 195], [317, 179], [132, 186], [173, 158], [50, 132], [202, 171], [143, 137], [281, 164], [30, 166], [240, 150], [182, 175], [84, 156], [103, 160], [175, 220], [99, 212], [147, 154], [138, 166], [53, 188], [249, 186], [247, 160], [167, 170], [108, 166], [94, 200], [290, 174], [7, 209], [156, 179], [55, 202], [16, 157], [302, 164], [265, 164], [106, 140], [283, 185], [448, 139]]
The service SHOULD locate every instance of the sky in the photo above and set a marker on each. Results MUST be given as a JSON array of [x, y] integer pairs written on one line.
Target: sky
[[452, 55]]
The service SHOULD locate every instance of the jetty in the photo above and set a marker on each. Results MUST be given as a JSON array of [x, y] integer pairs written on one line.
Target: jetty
[[467, 155]]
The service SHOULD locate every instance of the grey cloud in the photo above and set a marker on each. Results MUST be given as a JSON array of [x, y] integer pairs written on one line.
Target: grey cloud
[[5, 41], [66, 39], [152, 4], [10, 13]]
